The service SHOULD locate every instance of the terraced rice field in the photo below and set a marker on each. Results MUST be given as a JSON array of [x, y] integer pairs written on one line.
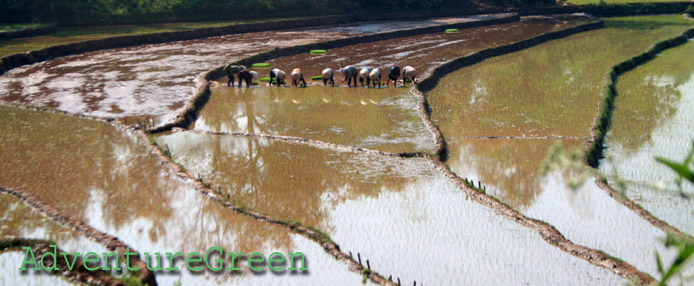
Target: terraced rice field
[[653, 118], [352, 177]]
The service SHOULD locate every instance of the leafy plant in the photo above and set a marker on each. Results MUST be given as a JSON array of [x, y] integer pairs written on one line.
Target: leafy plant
[[685, 252], [558, 159]]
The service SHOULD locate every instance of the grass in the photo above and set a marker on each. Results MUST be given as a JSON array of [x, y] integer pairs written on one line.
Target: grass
[[261, 65], [20, 26], [318, 77], [451, 31], [67, 35]]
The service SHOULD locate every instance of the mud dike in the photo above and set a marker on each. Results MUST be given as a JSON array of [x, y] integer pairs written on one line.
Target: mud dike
[[434, 158]]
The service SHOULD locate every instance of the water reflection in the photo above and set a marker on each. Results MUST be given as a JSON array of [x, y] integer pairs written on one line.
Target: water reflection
[[425, 52], [17, 220], [406, 218], [507, 168], [549, 90], [108, 178], [285, 180], [152, 83], [384, 119], [653, 118], [9, 262]]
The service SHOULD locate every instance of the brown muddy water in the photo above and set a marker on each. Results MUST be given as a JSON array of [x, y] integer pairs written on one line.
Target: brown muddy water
[[153, 83], [407, 219], [383, 119], [551, 90], [653, 117], [108, 178], [19, 221], [424, 52]]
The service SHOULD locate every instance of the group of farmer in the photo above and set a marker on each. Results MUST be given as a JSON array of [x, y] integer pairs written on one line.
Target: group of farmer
[[366, 76]]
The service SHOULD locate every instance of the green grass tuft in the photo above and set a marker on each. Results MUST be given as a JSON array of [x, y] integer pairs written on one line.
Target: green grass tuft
[[261, 65]]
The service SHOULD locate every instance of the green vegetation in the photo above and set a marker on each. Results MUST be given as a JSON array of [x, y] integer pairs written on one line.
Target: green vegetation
[[690, 11], [451, 31], [67, 35], [262, 65], [318, 77], [318, 52], [134, 11], [20, 26]]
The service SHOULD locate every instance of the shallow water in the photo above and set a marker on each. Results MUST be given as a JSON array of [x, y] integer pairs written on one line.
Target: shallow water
[[153, 83], [9, 262], [653, 117], [550, 90], [392, 211], [588, 216], [18, 220], [383, 119], [108, 178], [424, 52]]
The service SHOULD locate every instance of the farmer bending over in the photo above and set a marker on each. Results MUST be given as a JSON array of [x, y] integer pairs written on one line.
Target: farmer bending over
[[393, 75], [350, 73], [231, 70]]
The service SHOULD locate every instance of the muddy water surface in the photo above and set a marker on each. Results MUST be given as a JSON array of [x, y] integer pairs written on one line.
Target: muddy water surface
[[424, 52], [549, 90], [17, 220], [653, 117], [509, 170], [392, 211], [10, 261], [152, 83], [383, 119], [108, 178]]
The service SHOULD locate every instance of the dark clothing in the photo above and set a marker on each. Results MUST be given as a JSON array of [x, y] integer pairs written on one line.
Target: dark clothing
[[231, 70], [247, 77], [394, 73]]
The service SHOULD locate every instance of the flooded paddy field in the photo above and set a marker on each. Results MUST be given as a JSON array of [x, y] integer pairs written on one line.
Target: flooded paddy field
[[653, 117], [425, 52], [501, 116], [402, 215], [390, 211], [153, 83], [550, 90], [108, 178], [19, 221], [383, 119]]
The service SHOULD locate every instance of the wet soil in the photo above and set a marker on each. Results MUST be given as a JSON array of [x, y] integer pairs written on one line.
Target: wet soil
[[424, 52], [152, 83]]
